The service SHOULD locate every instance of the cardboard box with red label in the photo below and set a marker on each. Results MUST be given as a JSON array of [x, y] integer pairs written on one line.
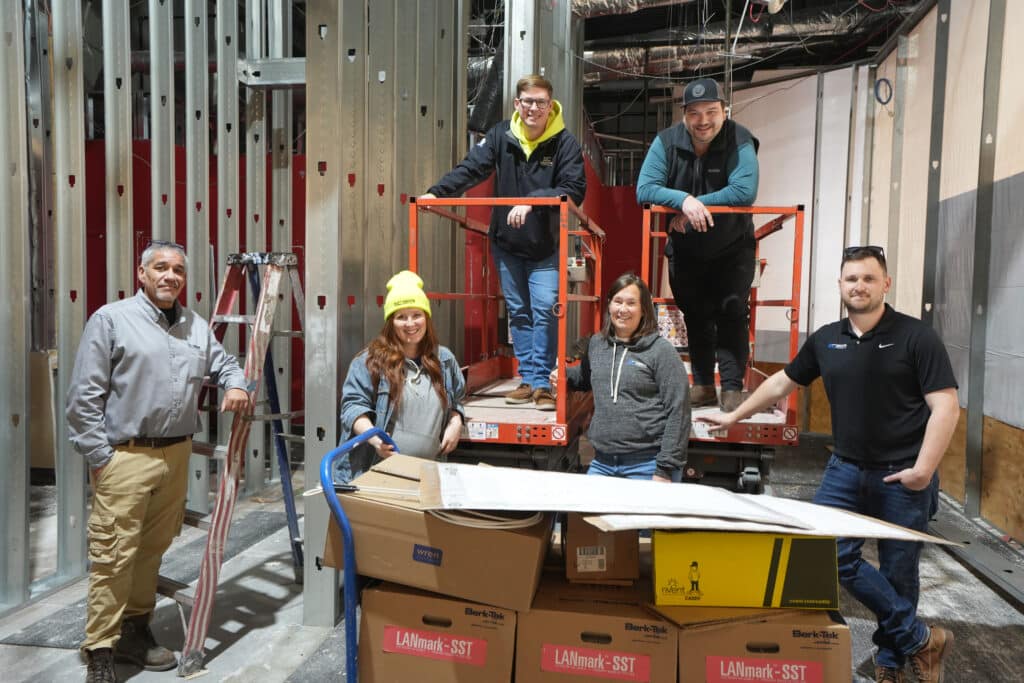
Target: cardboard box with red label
[[592, 633], [736, 645], [412, 635]]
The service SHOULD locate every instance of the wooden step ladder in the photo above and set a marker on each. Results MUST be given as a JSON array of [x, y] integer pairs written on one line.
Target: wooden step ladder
[[259, 367]]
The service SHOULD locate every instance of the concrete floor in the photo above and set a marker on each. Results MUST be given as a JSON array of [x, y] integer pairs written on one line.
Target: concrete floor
[[257, 632]]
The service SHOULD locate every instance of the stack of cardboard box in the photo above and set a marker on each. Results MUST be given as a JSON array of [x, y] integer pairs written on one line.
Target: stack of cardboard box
[[462, 603]]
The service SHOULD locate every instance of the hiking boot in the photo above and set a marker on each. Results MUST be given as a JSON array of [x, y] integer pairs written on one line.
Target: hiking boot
[[928, 661], [702, 395], [885, 674], [521, 394], [731, 399], [138, 646], [543, 400], [101, 666]]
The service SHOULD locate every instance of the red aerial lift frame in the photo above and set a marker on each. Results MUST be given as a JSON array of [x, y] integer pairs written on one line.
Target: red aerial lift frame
[[748, 431], [572, 411]]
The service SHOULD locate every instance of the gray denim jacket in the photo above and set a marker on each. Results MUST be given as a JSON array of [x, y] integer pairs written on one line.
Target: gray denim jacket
[[358, 398]]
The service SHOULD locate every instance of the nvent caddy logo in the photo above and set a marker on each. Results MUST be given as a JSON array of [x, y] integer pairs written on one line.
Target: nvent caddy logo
[[424, 553]]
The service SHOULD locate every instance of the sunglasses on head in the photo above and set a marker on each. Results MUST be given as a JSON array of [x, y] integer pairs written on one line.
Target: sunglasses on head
[[865, 250]]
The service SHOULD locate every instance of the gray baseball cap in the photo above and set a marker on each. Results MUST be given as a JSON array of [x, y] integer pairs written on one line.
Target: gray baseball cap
[[702, 90]]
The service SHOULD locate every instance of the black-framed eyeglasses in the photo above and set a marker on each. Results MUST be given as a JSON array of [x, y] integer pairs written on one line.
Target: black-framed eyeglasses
[[528, 102], [864, 250], [165, 243]]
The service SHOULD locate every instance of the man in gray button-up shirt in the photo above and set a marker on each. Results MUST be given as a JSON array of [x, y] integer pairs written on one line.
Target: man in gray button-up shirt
[[132, 408]]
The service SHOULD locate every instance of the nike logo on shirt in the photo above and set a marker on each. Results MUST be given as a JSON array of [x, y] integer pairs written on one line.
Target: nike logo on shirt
[[885, 346]]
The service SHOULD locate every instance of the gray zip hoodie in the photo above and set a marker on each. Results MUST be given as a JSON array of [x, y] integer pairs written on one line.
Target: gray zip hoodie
[[641, 398]]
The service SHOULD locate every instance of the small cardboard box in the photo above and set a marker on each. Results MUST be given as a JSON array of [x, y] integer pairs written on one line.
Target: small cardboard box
[[592, 555], [740, 569], [396, 540], [411, 635], [723, 645], [584, 633]]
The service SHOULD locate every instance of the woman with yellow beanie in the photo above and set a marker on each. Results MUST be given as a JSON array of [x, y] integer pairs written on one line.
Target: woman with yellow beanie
[[403, 382]]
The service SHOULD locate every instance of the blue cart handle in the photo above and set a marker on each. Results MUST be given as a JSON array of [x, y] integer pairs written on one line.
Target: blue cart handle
[[349, 553]]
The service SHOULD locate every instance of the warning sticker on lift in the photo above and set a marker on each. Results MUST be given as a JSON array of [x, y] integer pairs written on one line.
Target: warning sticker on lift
[[558, 432], [483, 431]]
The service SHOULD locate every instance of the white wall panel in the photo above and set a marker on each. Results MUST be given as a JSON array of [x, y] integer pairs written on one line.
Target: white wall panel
[[965, 70], [908, 269], [1010, 150], [780, 115], [830, 209]]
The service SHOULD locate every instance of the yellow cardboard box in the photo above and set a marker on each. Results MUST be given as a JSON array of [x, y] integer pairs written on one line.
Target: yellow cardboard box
[[740, 569]]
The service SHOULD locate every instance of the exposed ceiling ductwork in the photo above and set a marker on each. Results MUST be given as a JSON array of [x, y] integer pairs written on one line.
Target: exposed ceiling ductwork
[[601, 8], [685, 52]]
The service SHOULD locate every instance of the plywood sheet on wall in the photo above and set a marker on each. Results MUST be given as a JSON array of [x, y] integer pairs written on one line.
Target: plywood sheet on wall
[[965, 80], [1010, 136], [1002, 478], [954, 463], [913, 180]]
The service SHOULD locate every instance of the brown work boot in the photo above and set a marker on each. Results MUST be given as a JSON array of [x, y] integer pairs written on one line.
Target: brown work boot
[[702, 395], [101, 666], [731, 399], [543, 400], [521, 394], [928, 661], [885, 674], [138, 646]]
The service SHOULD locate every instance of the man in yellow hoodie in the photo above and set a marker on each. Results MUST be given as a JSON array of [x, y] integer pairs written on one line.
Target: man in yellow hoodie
[[533, 155]]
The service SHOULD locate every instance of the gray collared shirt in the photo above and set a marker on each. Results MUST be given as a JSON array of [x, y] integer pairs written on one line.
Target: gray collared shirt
[[135, 376]]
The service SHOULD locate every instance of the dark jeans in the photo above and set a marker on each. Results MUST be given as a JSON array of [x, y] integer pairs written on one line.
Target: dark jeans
[[714, 297], [891, 590]]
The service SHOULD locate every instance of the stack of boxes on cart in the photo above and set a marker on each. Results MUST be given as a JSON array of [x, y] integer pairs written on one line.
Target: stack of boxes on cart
[[459, 602]]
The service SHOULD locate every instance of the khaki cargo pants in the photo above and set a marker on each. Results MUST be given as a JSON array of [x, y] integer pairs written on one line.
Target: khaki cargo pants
[[137, 508]]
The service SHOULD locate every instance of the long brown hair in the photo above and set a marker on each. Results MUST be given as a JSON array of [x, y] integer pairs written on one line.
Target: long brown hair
[[648, 316], [385, 358]]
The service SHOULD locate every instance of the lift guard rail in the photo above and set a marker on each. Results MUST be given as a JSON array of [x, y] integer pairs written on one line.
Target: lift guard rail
[[349, 552], [592, 239], [788, 434]]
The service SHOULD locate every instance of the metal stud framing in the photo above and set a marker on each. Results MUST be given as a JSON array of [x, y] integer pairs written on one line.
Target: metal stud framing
[[256, 210], [899, 107], [14, 311], [983, 260], [197, 204], [161, 109], [117, 113], [280, 39], [69, 192], [325, 177], [521, 42], [931, 230], [226, 136]]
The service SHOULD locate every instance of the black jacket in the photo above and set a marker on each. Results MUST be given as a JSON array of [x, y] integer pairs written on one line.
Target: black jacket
[[555, 168], [703, 175]]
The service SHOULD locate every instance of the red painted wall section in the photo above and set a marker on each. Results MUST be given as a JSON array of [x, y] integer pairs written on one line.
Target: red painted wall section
[[477, 256], [95, 225]]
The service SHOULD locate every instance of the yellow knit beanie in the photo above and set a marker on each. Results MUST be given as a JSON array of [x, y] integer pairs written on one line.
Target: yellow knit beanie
[[405, 290]]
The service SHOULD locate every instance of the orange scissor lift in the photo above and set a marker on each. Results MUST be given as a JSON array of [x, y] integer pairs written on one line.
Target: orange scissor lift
[[742, 454], [494, 430]]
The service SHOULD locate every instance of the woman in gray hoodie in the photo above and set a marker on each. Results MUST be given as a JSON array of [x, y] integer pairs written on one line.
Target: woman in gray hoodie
[[641, 422]]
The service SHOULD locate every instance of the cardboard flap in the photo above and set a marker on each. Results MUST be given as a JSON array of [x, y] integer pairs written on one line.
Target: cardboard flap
[[685, 616], [455, 486], [398, 465]]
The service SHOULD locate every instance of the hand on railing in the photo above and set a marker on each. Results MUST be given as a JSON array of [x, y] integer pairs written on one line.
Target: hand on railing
[[517, 215]]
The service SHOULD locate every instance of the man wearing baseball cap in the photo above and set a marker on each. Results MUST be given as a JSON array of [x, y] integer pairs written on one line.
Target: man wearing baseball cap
[[708, 160]]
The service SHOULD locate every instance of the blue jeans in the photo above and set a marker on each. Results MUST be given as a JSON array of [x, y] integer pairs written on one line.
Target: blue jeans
[[530, 289], [633, 466], [890, 591]]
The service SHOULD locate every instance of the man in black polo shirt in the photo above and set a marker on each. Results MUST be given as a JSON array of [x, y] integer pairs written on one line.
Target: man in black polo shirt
[[894, 408]]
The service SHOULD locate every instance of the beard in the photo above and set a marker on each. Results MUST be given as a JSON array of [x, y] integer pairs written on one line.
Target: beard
[[863, 306]]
